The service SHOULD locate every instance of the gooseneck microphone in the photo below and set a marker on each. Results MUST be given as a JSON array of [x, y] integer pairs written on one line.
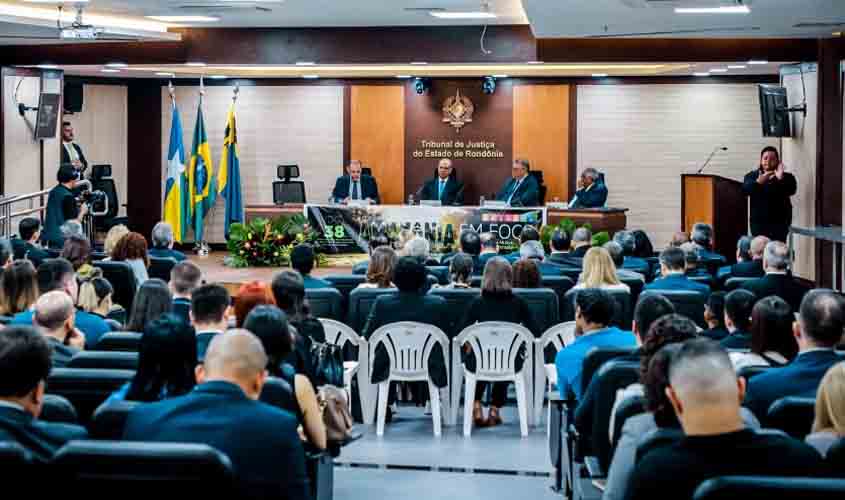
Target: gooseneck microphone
[[712, 154]]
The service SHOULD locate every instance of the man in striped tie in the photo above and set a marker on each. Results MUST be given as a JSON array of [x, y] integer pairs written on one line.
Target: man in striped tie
[[444, 186]]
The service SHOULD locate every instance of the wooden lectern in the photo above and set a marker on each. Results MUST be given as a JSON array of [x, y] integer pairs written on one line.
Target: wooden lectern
[[717, 201]]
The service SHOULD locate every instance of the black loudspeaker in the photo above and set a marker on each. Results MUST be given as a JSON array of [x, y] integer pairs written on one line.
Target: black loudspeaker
[[73, 98]]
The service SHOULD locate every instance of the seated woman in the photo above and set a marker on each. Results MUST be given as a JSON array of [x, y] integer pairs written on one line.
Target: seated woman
[[496, 303], [167, 356], [77, 251], [772, 341], [254, 293], [599, 272], [289, 294], [19, 286], [380, 270], [643, 247], [270, 325], [714, 315], [132, 249], [152, 300], [526, 274], [829, 424], [460, 269], [95, 297], [115, 234]]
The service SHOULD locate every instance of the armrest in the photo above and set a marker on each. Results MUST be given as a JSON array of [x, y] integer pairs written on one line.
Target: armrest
[[593, 469]]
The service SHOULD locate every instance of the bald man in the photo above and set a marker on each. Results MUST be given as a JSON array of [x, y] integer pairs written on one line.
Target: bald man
[[54, 316], [223, 412], [444, 187], [706, 396]]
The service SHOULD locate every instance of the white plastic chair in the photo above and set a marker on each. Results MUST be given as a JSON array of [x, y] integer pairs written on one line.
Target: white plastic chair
[[339, 334], [495, 345], [408, 346], [545, 375]]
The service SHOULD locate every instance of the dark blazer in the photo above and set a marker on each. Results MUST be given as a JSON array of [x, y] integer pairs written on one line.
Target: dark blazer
[[203, 341], [595, 197], [26, 250], [182, 308], [479, 262], [453, 192], [801, 377], [677, 281], [259, 439], [526, 195], [66, 157], [167, 253], [408, 306], [782, 285], [636, 264], [580, 252], [369, 188], [771, 208], [736, 340], [717, 333], [565, 259], [747, 269], [42, 439]]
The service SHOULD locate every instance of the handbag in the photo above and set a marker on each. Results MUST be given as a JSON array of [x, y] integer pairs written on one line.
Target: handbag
[[336, 417], [327, 360]]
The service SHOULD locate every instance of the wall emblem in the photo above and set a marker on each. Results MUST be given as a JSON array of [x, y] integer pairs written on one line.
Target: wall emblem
[[457, 110]]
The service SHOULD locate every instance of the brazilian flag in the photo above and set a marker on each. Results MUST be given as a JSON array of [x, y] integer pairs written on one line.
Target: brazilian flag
[[200, 177]]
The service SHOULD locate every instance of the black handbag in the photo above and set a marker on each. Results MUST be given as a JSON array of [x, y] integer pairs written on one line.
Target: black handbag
[[327, 360]]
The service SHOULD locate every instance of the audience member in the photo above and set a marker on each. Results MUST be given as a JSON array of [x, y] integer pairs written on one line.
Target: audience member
[[270, 325], [582, 240], [460, 270], [380, 270], [113, 236], [95, 297], [222, 412], [628, 242], [749, 259], [71, 228], [251, 294], [54, 315], [706, 395], [529, 233], [714, 316], [772, 342], [24, 366], [533, 250], [375, 242], [162, 243], [289, 292], [738, 307], [209, 314], [678, 239], [152, 300], [185, 277], [77, 251], [561, 255], [694, 267], [829, 423], [702, 235], [672, 269], [19, 288], [167, 356], [419, 248], [817, 332], [644, 249], [600, 272], [405, 235], [777, 280], [26, 246], [6, 254], [615, 251], [593, 312], [526, 274], [496, 303], [489, 249], [132, 249], [302, 259]]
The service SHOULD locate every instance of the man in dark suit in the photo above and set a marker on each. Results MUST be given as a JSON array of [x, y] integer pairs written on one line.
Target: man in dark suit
[[162, 240], [522, 189], [559, 244], [26, 245], [223, 412], [444, 187], [749, 259], [533, 250], [738, 307], [702, 235], [302, 260], [694, 267], [625, 275], [582, 240], [777, 280], [672, 269], [24, 367], [355, 187], [529, 233], [591, 193], [817, 331], [185, 277], [628, 243], [769, 189], [209, 305], [71, 152], [470, 244], [489, 249]]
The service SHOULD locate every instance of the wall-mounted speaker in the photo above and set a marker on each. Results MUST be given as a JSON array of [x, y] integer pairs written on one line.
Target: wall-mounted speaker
[[73, 98]]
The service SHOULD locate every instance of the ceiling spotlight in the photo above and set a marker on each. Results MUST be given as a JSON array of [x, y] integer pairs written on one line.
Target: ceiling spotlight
[[184, 19], [534, 62], [500, 76], [403, 76], [724, 9], [218, 77], [422, 85], [305, 63], [311, 77], [117, 65], [165, 74], [756, 62], [109, 70], [599, 75], [462, 15], [737, 66], [719, 70], [47, 66], [418, 63], [488, 85], [700, 74], [195, 64]]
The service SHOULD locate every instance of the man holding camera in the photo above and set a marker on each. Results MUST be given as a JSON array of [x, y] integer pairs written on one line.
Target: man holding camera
[[62, 206]]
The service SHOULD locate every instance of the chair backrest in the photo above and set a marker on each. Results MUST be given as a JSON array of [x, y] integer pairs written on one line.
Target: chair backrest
[[83, 467], [656, 438], [339, 334], [495, 345], [457, 301], [836, 458], [408, 345], [58, 409], [750, 371], [543, 304], [122, 280], [109, 419], [629, 407], [160, 268], [345, 283], [623, 310], [769, 488], [86, 388], [687, 302], [595, 358], [325, 302], [793, 415], [704, 280], [572, 273], [636, 285], [561, 285], [114, 360], [360, 303], [288, 192], [119, 341], [735, 282], [279, 393], [554, 339], [16, 462]]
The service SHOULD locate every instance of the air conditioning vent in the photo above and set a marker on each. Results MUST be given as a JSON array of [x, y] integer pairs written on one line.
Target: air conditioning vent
[[671, 4], [216, 7], [833, 24]]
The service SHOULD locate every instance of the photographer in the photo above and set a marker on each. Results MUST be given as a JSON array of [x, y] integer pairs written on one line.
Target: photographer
[[62, 206]]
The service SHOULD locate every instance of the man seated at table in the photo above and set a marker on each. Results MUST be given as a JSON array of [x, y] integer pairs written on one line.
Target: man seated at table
[[591, 193], [444, 186], [522, 189], [354, 186]]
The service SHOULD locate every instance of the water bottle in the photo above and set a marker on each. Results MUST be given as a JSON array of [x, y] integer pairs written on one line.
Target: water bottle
[[411, 199], [481, 201]]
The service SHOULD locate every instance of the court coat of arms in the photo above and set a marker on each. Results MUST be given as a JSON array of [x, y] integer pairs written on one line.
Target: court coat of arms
[[457, 110]]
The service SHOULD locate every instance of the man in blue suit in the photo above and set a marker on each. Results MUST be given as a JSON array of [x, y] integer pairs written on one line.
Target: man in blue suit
[[223, 412], [702, 234], [162, 240], [522, 189], [817, 331], [354, 186], [672, 268], [629, 245], [529, 233], [591, 193], [444, 186], [533, 250]]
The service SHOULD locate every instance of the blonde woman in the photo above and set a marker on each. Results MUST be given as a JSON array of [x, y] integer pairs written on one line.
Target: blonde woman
[[829, 425], [95, 296], [599, 272], [115, 234]]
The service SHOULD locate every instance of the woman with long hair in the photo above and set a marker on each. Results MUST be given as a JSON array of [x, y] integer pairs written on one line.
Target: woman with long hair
[[95, 296], [115, 234], [599, 272], [829, 424], [460, 270], [77, 250], [526, 274], [714, 316], [19, 288], [132, 249], [152, 300], [380, 270], [254, 293], [772, 340], [289, 294]]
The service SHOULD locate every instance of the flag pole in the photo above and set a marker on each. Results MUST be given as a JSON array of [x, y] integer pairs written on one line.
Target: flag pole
[[235, 93], [202, 247]]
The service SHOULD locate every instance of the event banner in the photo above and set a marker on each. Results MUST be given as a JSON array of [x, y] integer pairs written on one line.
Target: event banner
[[348, 229]]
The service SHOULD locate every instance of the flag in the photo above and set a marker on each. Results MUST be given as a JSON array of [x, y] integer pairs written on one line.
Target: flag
[[200, 177], [229, 174], [177, 206]]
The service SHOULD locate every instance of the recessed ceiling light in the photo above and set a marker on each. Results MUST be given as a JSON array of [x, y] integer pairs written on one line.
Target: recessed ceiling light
[[117, 65], [737, 66], [701, 74], [110, 70], [218, 77], [56, 1], [311, 77], [184, 19], [761, 61], [164, 73], [719, 70], [403, 76], [599, 75], [725, 9], [500, 76], [418, 63], [837, 33], [306, 63], [534, 62], [462, 15], [195, 64], [47, 66]]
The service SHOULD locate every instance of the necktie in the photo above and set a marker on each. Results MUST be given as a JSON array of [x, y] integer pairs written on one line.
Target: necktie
[[354, 190], [71, 152], [513, 191], [440, 190]]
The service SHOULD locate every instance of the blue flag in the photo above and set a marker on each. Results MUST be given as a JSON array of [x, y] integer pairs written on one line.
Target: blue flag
[[229, 174]]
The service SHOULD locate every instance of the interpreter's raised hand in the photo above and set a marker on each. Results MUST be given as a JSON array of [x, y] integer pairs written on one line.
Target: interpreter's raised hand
[[779, 171], [765, 177]]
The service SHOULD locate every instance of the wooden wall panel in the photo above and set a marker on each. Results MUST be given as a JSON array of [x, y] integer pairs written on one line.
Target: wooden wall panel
[[541, 133], [377, 136], [699, 193]]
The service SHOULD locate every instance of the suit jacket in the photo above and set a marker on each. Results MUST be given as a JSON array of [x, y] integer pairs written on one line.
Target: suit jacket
[[182, 308], [736, 340], [203, 340], [66, 156], [42, 439], [408, 306], [637, 264], [750, 269], [677, 281], [453, 192], [580, 252], [26, 250], [801, 377], [593, 197], [259, 439], [565, 259], [369, 188], [782, 285], [526, 195], [167, 253]]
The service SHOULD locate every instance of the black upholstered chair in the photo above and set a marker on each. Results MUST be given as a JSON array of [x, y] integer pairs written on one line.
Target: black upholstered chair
[[629, 407], [688, 303], [122, 280], [836, 458], [160, 268], [58, 409], [596, 357], [793, 415], [109, 419], [561, 285], [86, 388], [360, 303], [345, 283], [750, 371], [734, 283], [114, 360], [457, 300], [119, 341], [440, 272], [543, 303], [623, 314], [769, 488], [325, 303], [16, 463]]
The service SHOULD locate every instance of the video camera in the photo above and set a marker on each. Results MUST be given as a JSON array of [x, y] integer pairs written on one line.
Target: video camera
[[97, 201]]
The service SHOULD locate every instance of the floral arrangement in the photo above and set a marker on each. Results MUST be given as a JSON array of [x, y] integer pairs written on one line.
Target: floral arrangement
[[263, 242], [569, 226]]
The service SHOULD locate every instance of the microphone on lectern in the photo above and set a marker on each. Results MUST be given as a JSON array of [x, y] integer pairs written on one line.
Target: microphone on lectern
[[712, 154]]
